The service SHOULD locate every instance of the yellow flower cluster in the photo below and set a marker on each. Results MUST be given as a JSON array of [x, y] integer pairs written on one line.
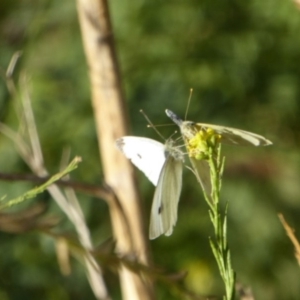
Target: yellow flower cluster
[[202, 142]]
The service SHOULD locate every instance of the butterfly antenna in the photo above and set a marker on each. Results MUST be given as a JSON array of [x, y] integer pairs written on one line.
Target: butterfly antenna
[[162, 125], [151, 124], [179, 139], [173, 134], [188, 104]]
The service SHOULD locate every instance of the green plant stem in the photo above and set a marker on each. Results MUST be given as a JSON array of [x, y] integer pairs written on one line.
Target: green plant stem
[[37, 190], [219, 245]]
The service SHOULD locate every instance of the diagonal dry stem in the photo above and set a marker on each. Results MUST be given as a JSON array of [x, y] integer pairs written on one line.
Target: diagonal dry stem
[[32, 155]]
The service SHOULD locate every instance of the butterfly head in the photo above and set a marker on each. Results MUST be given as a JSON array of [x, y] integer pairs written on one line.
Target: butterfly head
[[174, 117]]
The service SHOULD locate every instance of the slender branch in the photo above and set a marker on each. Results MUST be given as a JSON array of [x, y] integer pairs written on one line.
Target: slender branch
[[33, 192], [102, 192], [291, 234]]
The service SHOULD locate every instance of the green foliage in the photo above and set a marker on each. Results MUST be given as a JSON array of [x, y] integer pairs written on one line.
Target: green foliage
[[218, 219], [242, 59]]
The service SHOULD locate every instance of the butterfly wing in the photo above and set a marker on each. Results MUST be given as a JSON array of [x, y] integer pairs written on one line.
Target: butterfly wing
[[236, 136], [166, 197], [146, 154], [229, 135], [202, 172]]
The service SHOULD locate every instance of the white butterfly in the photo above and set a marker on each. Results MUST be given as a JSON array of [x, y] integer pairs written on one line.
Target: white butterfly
[[228, 135], [162, 164]]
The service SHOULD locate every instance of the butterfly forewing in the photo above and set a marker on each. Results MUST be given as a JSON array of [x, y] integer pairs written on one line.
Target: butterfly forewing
[[146, 154], [236, 136]]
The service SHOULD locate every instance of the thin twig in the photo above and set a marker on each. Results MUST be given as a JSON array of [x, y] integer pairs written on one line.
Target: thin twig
[[101, 192], [290, 233], [33, 192]]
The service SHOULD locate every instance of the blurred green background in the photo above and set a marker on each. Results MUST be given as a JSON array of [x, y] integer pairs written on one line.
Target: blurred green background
[[242, 58]]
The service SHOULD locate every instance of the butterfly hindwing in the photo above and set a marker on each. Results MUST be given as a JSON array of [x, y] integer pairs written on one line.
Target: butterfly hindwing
[[166, 197]]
